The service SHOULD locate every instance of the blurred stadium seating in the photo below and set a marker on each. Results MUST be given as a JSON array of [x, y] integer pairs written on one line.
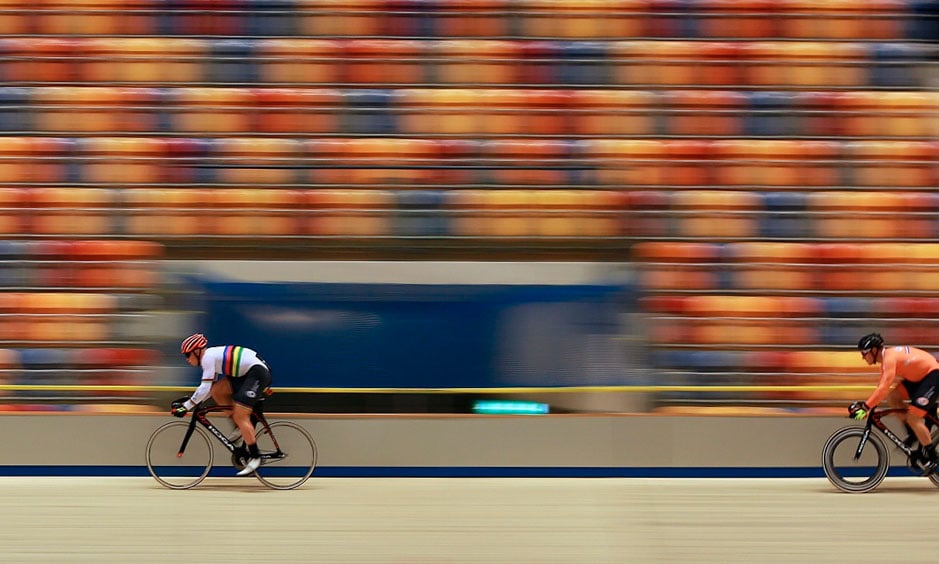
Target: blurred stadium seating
[[768, 165]]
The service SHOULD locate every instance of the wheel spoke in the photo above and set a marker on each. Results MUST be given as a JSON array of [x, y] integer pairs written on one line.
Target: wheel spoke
[[849, 472], [171, 469], [291, 465]]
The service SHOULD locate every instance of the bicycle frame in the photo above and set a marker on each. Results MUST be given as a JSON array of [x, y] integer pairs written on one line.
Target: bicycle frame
[[874, 420], [200, 416]]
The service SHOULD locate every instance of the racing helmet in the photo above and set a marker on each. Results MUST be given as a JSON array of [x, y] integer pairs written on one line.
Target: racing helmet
[[870, 341], [193, 342]]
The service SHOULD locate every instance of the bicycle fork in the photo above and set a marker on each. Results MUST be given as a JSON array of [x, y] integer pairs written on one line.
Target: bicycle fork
[[862, 442]]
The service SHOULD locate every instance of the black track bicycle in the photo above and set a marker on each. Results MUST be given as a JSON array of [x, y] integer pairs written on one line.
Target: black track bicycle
[[180, 454], [856, 458]]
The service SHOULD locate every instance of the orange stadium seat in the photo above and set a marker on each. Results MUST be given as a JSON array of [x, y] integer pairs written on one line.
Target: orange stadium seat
[[776, 162], [735, 19], [818, 113], [512, 212], [344, 18], [33, 159], [840, 266], [919, 209], [71, 303], [833, 19], [474, 61], [704, 112], [348, 213], [645, 214], [145, 60], [690, 162], [629, 162], [882, 262], [299, 61], [761, 265], [257, 161], [17, 159], [721, 64], [15, 18], [613, 112], [159, 212], [888, 114], [540, 62], [77, 109], [122, 160], [212, 110], [577, 19], [383, 61], [576, 213], [762, 66], [469, 214], [41, 59], [297, 110], [450, 111], [370, 161], [113, 250], [94, 17], [472, 18], [886, 19], [256, 212], [821, 64], [115, 263], [676, 252], [72, 211], [527, 161], [678, 278], [542, 112], [717, 214], [660, 63], [13, 220], [892, 163], [856, 214], [670, 266]]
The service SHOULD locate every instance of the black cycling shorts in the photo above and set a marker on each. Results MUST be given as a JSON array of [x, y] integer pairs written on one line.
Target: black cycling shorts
[[248, 389], [923, 393]]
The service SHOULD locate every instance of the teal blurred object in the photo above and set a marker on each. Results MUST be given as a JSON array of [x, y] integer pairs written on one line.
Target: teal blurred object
[[500, 407]]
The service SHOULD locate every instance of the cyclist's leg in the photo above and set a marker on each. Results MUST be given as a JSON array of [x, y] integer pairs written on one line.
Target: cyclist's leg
[[247, 391], [221, 394], [923, 398], [898, 398]]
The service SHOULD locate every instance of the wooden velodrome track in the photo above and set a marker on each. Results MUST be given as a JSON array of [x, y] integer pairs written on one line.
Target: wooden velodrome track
[[450, 520]]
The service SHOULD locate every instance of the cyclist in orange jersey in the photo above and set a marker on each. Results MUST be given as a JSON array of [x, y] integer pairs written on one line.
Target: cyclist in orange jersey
[[917, 372]]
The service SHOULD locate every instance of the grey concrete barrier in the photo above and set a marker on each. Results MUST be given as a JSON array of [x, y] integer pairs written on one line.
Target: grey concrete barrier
[[430, 445]]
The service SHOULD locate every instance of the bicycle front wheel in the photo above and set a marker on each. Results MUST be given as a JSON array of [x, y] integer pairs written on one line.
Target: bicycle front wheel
[[288, 455], [172, 468], [850, 474]]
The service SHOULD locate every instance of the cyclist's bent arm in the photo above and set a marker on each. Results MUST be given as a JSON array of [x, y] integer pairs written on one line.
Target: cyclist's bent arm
[[201, 393]]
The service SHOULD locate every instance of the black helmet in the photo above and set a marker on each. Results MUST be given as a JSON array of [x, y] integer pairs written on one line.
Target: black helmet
[[870, 341]]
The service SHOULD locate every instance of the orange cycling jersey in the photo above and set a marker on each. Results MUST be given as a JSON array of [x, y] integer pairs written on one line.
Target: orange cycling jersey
[[901, 363]]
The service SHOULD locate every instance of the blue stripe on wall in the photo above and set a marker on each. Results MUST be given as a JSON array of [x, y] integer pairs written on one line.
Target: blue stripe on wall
[[460, 472]]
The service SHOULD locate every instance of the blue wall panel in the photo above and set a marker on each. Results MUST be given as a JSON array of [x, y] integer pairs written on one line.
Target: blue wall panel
[[422, 336]]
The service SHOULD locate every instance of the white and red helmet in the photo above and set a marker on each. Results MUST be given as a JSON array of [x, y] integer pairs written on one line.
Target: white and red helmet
[[192, 343]]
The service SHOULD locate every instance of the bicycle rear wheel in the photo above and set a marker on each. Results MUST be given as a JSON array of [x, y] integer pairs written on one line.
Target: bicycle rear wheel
[[288, 455], [175, 470], [855, 475]]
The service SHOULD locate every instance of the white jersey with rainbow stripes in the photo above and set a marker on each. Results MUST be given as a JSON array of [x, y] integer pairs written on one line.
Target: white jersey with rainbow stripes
[[228, 360]]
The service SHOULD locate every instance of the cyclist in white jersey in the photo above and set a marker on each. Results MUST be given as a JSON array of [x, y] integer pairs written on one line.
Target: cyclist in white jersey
[[245, 377]]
